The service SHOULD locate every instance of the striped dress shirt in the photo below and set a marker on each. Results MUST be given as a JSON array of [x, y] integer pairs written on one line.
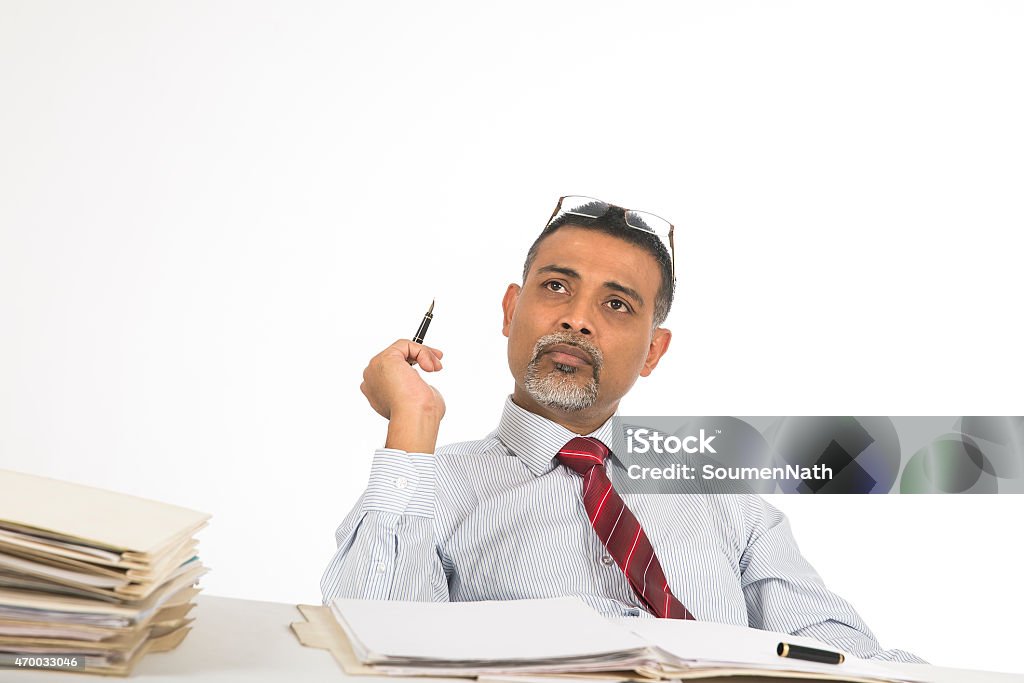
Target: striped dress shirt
[[501, 519]]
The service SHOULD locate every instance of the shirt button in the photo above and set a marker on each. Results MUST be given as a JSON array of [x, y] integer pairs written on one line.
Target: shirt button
[[607, 560], [381, 567], [401, 482]]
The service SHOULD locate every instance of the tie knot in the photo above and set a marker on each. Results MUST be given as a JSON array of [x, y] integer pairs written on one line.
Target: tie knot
[[582, 453]]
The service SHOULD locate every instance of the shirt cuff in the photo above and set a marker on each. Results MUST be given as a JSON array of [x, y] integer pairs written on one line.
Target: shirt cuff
[[401, 483]]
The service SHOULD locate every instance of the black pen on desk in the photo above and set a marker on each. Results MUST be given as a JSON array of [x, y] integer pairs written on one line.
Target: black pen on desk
[[809, 654], [422, 331]]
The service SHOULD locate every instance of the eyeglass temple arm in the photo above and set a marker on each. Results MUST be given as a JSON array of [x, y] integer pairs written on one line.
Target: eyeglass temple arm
[[558, 207], [672, 246]]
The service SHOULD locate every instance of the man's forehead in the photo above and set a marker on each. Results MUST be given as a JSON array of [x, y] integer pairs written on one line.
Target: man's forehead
[[593, 253]]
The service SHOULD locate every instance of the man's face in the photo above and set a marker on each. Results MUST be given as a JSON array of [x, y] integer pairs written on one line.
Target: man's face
[[580, 327]]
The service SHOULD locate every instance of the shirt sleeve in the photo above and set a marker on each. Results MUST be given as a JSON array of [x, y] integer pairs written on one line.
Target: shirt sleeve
[[386, 547], [784, 593]]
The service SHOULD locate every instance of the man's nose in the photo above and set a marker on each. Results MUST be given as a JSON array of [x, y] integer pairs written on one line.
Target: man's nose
[[576, 320]]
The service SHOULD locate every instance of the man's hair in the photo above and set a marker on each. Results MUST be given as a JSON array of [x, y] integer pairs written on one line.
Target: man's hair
[[614, 223]]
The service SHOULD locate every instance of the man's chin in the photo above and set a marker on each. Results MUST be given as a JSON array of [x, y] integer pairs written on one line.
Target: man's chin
[[560, 404], [563, 392], [561, 377]]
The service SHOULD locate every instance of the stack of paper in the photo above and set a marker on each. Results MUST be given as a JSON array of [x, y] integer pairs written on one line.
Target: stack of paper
[[559, 635], [90, 580], [529, 640]]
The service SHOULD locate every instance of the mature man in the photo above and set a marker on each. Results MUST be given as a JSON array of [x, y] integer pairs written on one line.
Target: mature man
[[529, 511]]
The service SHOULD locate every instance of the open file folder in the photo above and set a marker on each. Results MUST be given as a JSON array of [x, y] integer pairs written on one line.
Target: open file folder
[[92, 575], [534, 639]]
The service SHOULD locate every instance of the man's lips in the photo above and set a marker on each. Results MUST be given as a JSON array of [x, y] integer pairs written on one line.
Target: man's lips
[[566, 354]]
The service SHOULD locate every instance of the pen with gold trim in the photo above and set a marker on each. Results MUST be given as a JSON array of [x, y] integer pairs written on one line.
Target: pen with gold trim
[[422, 331], [427, 317], [810, 654]]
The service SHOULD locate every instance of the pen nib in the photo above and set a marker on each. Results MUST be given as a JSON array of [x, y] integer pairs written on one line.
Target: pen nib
[[431, 309]]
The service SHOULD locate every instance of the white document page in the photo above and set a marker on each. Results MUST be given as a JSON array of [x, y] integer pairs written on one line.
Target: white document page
[[472, 632]]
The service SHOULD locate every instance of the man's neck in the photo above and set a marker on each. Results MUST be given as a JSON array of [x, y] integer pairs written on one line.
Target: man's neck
[[578, 422]]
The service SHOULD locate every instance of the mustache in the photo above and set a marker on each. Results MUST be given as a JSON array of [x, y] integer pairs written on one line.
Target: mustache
[[582, 343]]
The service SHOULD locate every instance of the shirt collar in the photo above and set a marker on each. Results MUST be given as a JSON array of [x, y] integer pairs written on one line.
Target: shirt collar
[[536, 440]]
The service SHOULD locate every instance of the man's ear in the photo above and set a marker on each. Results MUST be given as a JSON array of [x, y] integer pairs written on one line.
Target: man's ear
[[659, 345], [508, 305]]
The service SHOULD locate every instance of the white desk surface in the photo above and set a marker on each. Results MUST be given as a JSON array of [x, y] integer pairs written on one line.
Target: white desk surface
[[251, 641]]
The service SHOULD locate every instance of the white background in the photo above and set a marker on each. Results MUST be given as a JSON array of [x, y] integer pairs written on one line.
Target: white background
[[213, 214]]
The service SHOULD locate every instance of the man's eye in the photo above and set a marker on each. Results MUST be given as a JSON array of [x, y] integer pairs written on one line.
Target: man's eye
[[555, 286], [619, 305]]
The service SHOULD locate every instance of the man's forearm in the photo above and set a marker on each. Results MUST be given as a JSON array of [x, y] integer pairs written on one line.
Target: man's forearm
[[386, 545], [368, 567]]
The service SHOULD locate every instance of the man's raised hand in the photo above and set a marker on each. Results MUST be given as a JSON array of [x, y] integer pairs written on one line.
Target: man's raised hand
[[395, 389]]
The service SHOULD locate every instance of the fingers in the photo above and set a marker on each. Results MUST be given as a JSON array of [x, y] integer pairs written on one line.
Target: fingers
[[434, 356], [427, 357]]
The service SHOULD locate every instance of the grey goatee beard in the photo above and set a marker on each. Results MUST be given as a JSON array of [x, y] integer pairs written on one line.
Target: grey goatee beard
[[561, 387]]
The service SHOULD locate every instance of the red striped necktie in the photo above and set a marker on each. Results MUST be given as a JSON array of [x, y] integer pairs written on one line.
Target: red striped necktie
[[619, 529]]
